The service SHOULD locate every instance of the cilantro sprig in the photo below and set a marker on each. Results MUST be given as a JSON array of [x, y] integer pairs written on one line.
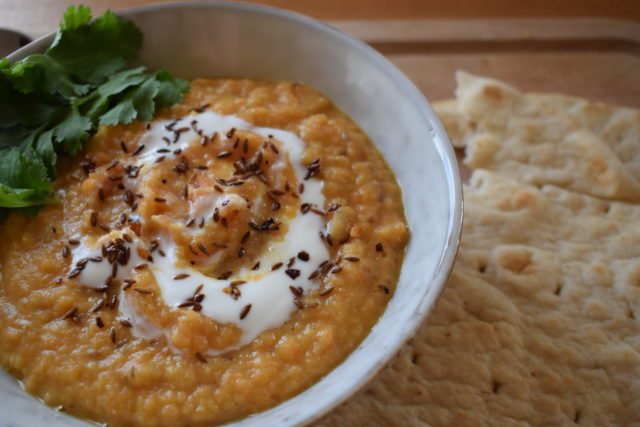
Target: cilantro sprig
[[51, 103]]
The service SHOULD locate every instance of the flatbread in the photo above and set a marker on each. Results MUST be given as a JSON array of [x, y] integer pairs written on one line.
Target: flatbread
[[549, 139], [540, 321], [537, 325]]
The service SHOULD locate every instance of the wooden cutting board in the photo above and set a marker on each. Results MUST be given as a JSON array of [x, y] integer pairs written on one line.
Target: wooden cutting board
[[597, 59]]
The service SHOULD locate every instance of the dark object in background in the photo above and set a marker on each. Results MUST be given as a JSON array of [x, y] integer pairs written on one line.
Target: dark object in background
[[10, 41]]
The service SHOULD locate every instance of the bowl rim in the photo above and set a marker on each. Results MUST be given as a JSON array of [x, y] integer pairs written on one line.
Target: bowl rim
[[443, 148]]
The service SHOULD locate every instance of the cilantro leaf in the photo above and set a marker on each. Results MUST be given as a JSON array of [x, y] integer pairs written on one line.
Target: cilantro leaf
[[51, 103], [93, 52], [23, 179]]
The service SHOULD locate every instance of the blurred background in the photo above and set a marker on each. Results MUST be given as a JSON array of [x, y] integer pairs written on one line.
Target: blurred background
[[36, 17]]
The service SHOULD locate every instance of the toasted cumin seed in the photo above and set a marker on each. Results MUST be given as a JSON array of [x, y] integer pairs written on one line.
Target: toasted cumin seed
[[225, 275], [203, 249], [201, 358], [197, 307], [292, 272], [199, 298], [379, 247], [141, 266], [220, 245], [161, 252], [231, 132], [187, 304], [198, 289], [241, 252], [126, 237], [65, 251], [160, 159], [104, 228], [99, 306], [112, 165], [95, 259], [112, 335], [185, 192], [291, 261], [256, 266], [301, 188], [352, 258], [218, 188], [276, 266], [74, 273], [126, 286], [93, 219], [190, 222], [304, 256], [201, 108], [71, 313], [138, 150], [313, 275], [245, 311], [326, 292], [224, 223], [113, 302], [201, 224], [142, 291], [99, 322], [312, 305], [384, 288], [101, 194], [298, 302], [223, 154], [74, 242], [295, 291], [336, 270], [237, 282], [329, 239], [124, 147], [160, 199], [193, 251], [245, 146], [125, 322], [181, 276], [245, 238]]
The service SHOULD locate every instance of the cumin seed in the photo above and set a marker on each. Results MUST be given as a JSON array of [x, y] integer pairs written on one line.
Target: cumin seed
[[326, 292], [245, 311]]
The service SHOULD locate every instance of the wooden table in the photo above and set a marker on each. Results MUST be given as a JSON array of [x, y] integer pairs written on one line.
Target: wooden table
[[36, 17]]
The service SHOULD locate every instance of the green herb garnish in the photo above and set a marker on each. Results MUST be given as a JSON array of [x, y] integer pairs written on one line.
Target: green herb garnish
[[51, 103]]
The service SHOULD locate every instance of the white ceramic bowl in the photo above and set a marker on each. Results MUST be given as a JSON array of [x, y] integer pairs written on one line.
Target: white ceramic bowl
[[244, 40]]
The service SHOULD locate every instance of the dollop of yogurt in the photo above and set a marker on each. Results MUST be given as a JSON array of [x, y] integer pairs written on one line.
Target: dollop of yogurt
[[254, 298]]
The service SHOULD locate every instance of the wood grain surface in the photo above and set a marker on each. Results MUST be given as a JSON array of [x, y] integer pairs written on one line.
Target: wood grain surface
[[36, 17]]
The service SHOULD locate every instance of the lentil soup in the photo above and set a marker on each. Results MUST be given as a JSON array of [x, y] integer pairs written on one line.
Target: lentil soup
[[204, 266]]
